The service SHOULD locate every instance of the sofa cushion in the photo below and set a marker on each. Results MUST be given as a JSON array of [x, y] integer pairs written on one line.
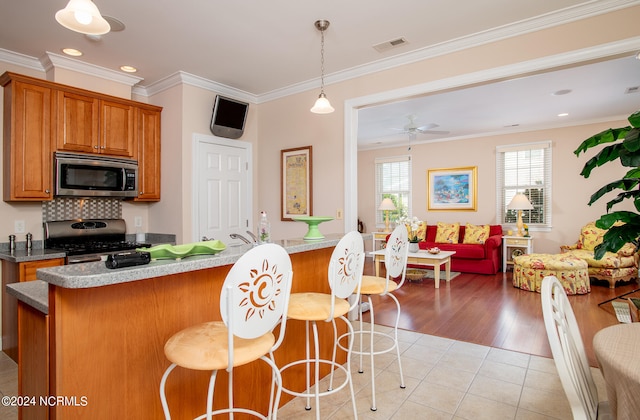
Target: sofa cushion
[[609, 260], [447, 233], [475, 234], [590, 236]]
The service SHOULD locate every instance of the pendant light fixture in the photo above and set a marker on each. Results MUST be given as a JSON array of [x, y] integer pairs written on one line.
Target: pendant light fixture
[[322, 105], [83, 16]]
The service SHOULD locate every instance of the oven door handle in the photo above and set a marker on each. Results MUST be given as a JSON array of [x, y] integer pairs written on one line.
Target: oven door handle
[[77, 259]]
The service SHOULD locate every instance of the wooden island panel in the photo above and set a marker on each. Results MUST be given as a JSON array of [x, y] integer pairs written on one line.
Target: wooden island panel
[[106, 344]]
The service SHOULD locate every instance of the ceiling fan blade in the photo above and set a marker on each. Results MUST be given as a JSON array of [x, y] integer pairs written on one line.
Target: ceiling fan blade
[[434, 131], [427, 127]]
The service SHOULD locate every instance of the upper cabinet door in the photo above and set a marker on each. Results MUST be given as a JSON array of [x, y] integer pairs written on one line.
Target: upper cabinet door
[[117, 136], [27, 144], [77, 120], [148, 154]]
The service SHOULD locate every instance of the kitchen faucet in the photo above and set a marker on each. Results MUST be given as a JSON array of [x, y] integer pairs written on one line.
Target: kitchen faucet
[[242, 238]]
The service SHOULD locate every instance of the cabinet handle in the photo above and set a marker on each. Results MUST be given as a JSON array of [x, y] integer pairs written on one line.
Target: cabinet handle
[[95, 147], [102, 147], [47, 191]]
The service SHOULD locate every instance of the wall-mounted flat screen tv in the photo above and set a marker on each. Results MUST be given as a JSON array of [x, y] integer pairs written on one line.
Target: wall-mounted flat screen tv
[[229, 117]]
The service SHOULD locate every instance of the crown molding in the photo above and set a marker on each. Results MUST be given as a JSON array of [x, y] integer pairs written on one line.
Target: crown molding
[[181, 77], [20, 60], [51, 60]]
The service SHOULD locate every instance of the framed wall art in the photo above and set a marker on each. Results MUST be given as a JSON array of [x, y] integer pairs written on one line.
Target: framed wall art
[[296, 180], [452, 189]]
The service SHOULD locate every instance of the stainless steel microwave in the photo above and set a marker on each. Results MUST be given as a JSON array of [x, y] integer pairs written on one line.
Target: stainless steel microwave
[[81, 175]]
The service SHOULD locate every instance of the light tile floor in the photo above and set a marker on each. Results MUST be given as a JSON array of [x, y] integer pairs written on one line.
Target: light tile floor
[[445, 379], [448, 379]]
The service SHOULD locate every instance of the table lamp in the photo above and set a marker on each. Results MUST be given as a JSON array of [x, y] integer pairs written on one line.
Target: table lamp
[[386, 206], [520, 202]]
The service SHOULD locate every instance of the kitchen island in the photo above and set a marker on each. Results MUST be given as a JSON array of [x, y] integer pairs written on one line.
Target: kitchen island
[[97, 348]]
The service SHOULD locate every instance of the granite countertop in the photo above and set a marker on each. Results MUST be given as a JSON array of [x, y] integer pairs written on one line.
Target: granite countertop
[[95, 274], [22, 255], [34, 293]]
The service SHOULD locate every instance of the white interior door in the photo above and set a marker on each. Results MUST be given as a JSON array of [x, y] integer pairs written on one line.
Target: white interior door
[[222, 188]]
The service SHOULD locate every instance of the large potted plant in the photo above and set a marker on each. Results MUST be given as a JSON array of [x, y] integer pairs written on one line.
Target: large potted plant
[[625, 147]]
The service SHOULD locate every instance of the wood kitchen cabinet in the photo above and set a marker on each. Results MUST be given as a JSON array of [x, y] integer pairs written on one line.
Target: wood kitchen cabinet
[[91, 125], [12, 273], [28, 132], [148, 139], [41, 117]]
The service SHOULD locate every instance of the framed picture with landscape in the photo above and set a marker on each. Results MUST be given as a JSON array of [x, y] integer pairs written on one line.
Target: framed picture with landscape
[[452, 189], [296, 180]]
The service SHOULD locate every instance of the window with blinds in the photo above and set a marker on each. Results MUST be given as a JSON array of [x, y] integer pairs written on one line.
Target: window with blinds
[[526, 169], [393, 180]]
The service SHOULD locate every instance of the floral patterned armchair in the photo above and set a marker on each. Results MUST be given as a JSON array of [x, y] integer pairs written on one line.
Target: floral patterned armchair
[[621, 266]]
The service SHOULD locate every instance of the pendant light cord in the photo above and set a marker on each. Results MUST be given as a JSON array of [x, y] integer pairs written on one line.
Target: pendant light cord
[[322, 61]]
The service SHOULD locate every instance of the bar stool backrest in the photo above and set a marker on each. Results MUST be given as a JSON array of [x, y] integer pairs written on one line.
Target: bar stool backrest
[[568, 350], [347, 265], [395, 258], [255, 293]]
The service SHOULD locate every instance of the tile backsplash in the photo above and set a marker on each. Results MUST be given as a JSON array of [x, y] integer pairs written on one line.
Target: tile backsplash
[[68, 208]]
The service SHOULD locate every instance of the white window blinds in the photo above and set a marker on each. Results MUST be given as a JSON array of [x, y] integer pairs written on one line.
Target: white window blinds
[[526, 169], [393, 180]]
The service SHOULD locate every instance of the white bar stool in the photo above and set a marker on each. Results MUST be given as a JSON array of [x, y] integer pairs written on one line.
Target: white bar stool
[[345, 274], [253, 301], [395, 261]]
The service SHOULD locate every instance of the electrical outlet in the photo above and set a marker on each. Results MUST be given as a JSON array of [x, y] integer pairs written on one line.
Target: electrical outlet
[[138, 221], [18, 226], [339, 214]]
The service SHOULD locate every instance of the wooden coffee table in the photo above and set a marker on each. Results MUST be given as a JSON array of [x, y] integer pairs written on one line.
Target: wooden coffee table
[[422, 257]]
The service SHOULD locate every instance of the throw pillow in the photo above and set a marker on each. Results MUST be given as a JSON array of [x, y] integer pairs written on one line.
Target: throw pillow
[[447, 233], [422, 232], [474, 234], [591, 236]]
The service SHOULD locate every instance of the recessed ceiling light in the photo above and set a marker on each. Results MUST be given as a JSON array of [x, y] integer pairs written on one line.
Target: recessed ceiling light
[[72, 52], [561, 92], [128, 69], [564, 114]]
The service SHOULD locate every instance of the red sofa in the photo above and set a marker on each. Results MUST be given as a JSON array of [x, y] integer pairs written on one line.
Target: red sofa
[[470, 258]]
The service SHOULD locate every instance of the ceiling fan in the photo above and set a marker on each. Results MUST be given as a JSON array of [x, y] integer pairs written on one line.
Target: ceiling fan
[[412, 129]]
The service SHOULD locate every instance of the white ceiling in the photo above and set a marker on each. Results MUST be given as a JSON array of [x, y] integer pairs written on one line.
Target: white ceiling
[[264, 49]]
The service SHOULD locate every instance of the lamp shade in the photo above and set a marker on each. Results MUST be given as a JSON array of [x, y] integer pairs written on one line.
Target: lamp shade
[[387, 204], [322, 106], [520, 202], [83, 16]]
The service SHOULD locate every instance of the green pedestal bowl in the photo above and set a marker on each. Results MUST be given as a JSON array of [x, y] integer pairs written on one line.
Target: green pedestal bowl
[[313, 221]]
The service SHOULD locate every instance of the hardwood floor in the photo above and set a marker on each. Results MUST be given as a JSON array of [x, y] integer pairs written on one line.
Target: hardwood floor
[[488, 310]]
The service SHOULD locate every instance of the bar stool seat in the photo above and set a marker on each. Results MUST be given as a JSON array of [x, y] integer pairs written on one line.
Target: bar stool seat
[[313, 306], [191, 347], [372, 285]]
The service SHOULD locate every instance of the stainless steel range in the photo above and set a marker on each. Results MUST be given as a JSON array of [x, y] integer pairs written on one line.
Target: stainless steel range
[[85, 240]]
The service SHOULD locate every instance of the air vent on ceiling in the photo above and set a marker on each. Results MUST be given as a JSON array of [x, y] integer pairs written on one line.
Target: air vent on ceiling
[[633, 89], [387, 45]]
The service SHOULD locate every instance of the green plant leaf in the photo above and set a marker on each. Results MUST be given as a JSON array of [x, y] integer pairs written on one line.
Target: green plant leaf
[[606, 136], [623, 184], [632, 140], [634, 119], [635, 195], [607, 154]]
